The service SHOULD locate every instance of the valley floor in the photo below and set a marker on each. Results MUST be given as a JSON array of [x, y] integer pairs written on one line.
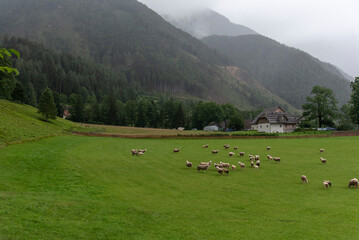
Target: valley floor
[[72, 187]]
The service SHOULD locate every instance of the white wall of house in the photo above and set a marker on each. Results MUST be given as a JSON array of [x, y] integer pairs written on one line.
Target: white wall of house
[[254, 127], [277, 128], [264, 127]]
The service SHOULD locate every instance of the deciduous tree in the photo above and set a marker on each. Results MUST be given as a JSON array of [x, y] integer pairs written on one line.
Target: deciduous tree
[[47, 105]]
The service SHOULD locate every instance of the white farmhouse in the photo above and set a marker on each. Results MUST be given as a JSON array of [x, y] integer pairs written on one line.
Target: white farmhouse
[[274, 120]]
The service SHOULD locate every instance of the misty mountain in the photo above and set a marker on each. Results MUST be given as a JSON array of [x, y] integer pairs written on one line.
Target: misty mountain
[[206, 23], [128, 38], [285, 71]]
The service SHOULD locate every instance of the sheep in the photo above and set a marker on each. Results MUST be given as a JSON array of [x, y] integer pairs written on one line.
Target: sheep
[[215, 151], [252, 163], [176, 150], [268, 148], [321, 150], [205, 146], [304, 179], [231, 154], [134, 152], [218, 165], [220, 170], [257, 157], [242, 165], [235, 148], [202, 167], [206, 163], [277, 159], [140, 154], [323, 160], [234, 167], [188, 164], [242, 154], [269, 157], [143, 151], [353, 182], [258, 163], [256, 167], [226, 171], [226, 165], [251, 158], [327, 183], [226, 146]]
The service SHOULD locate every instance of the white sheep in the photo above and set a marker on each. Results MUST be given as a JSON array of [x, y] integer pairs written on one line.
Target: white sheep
[[205, 146], [277, 159], [321, 150], [269, 157], [176, 150], [231, 154], [353, 182], [226, 165], [323, 160], [268, 148], [327, 183], [202, 167], [257, 157], [188, 164], [304, 179], [220, 170], [215, 151], [258, 163], [242, 154], [206, 163], [234, 167]]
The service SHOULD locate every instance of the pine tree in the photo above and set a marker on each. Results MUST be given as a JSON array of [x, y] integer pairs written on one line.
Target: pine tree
[[47, 105]]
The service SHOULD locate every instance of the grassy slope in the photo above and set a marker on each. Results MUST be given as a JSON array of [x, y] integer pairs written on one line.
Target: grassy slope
[[20, 122], [91, 188]]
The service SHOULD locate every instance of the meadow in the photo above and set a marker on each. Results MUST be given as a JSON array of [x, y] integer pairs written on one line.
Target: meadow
[[72, 187]]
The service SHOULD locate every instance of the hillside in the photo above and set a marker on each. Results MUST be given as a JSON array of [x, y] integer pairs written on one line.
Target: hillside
[[147, 53], [19, 122], [207, 23], [287, 72]]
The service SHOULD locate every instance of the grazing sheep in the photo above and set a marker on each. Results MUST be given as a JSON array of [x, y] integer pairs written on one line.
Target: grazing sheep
[[215, 151], [353, 182], [188, 164], [321, 150], [202, 167], [252, 163], [277, 159], [226, 171], [234, 167], [269, 157], [226, 146], [225, 164], [257, 157], [206, 163], [323, 160], [176, 150], [304, 179], [134, 152], [220, 170], [242, 154], [235, 148], [256, 167], [143, 151], [258, 163], [327, 183], [231, 154], [251, 158], [268, 148], [205, 146], [242, 165], [218, 165], [140, 154]]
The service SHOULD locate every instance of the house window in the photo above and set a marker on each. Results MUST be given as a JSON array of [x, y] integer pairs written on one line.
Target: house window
[[280, 126], [267, 126]]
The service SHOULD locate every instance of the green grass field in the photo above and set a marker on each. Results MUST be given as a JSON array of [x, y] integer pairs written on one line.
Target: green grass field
[[72, 187], [20, 122]]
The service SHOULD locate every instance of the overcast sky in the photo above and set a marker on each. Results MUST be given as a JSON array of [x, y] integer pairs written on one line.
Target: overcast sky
[[327, 29]]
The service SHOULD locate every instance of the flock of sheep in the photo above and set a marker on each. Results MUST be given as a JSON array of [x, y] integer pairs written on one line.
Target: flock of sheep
[[224, 168]]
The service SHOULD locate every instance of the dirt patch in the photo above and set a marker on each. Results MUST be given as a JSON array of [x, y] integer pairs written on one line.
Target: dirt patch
[[139, 136]]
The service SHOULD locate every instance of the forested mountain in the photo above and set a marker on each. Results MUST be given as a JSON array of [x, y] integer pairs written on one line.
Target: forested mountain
[[285, 71], [206, 23], [137, 45]]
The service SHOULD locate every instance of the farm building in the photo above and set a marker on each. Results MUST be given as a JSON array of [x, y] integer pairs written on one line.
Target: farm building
[[275, 120]]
